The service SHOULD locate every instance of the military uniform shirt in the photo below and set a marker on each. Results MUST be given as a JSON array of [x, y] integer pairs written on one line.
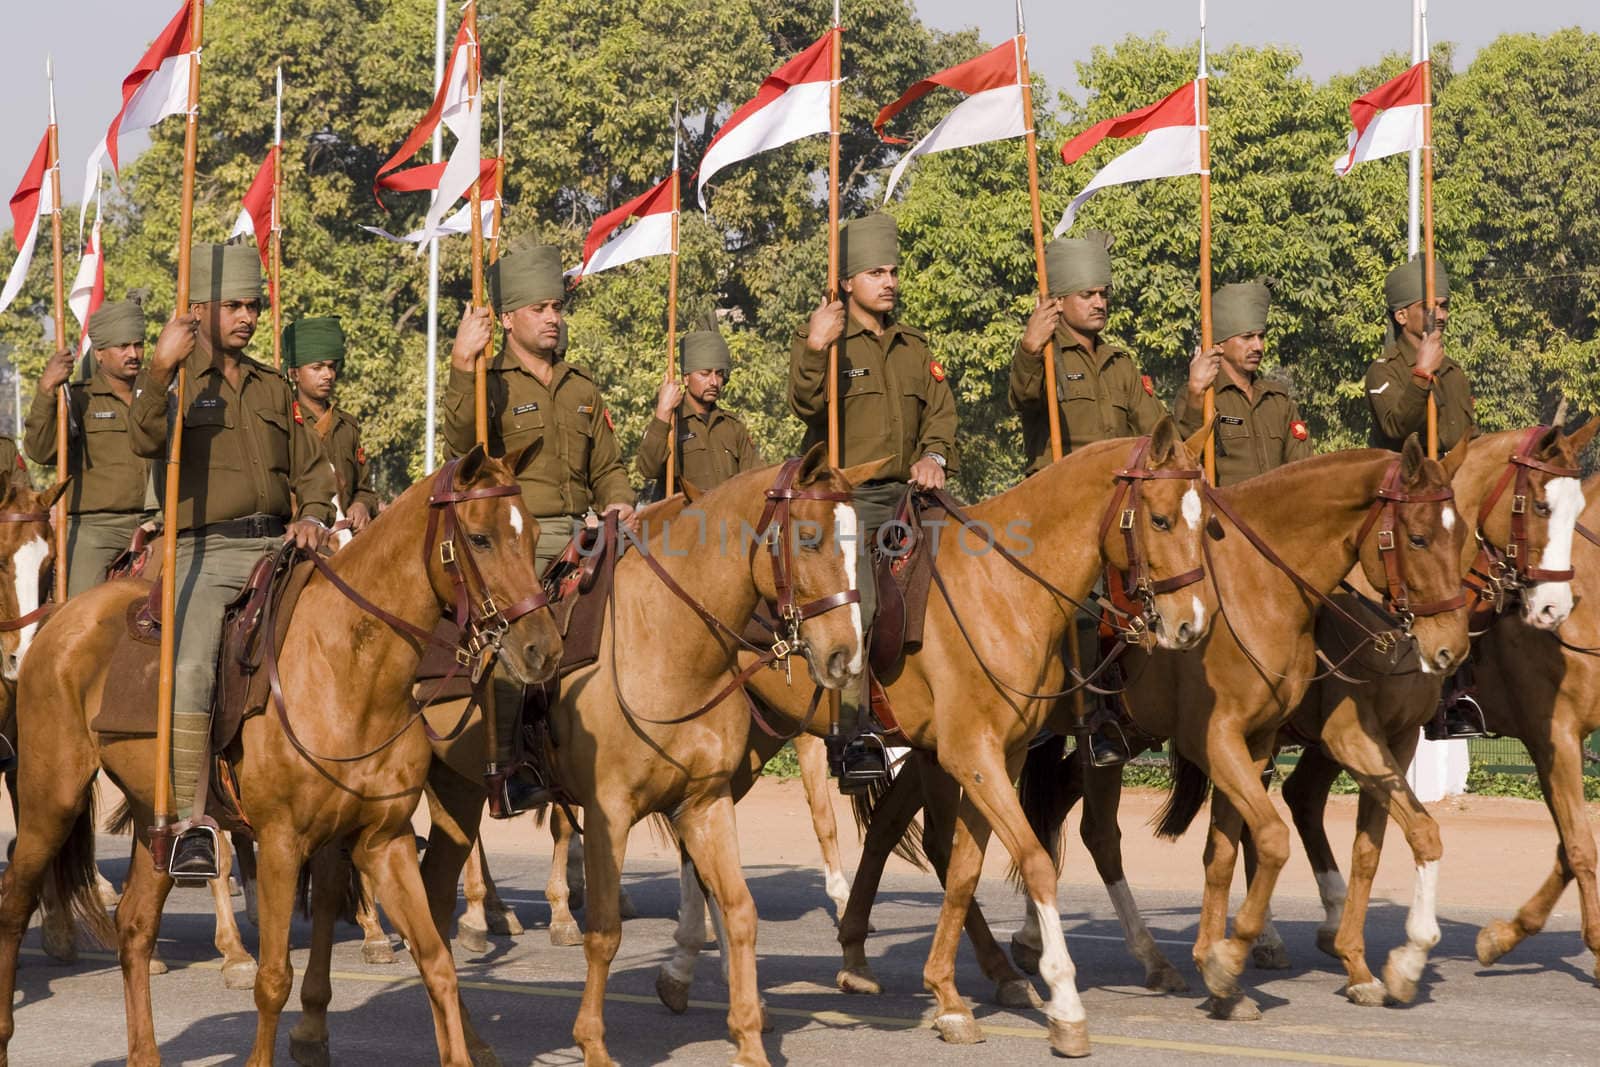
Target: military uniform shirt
[[340, 437], [10, 458], [106, 475], [711, 448], [896, 401], [580, 465], [243, 453], [1400, 402], [1101, 395], [1252, 436]]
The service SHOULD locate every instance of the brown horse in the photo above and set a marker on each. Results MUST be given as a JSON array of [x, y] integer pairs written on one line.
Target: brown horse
[[1370, 724], [987, 673], [295, 800]]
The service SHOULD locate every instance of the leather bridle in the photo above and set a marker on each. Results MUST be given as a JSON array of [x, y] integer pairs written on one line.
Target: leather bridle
[[1385, 517], [1137, 584], [45, 605], [1496, 572], [779, 497]]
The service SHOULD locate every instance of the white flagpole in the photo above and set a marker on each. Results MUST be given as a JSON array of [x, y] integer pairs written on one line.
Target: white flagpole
[[431, 399], [1414, 227]]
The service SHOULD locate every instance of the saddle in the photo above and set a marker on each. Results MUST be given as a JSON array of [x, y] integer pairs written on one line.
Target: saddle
[[904, 573]]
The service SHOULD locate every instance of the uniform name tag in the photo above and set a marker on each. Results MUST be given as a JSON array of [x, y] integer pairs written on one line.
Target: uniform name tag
[[689, 436], [858, 372], [102, 414], [208, 402], [585, 409], [1075, 376], [523, 409], [1230, 420]]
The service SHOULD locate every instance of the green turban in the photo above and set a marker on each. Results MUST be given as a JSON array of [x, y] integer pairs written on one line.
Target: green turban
[[1404, 285], [313, 341], [1240, 308], [869, 242], [224, 272], [529, 273], [704, 349], [117, 324], [1073, 264]]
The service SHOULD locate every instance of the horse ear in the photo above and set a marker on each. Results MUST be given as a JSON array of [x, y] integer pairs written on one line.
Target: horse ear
[[48, 498], [1454, 458], [1164, 441], [520, 461], [1412, 457], [1196, 445], [863, 472], [690, 491], [471, 466], [1579, 439], [812, 464]]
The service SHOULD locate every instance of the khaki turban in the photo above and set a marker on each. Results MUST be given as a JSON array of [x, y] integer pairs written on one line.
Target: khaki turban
[[1404, 285], [1074, 264], [869, 242], [1240, 308], [530, 273], [224, 272], [313, 341]]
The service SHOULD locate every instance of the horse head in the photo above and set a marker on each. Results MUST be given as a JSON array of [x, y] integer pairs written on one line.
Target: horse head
[[27, 552]]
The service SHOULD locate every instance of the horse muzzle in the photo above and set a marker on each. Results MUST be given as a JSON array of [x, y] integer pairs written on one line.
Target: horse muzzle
[[1546, 605]]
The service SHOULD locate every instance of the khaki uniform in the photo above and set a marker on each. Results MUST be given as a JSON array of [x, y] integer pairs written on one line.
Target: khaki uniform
[[10, 458], [1400, 402], [340, 437], [243, 456], [1253, 436], [711, 448], [109, 495], [1101, 395]]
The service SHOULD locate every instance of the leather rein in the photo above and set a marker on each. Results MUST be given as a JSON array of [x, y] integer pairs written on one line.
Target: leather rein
[[480, 619], [45, 605]]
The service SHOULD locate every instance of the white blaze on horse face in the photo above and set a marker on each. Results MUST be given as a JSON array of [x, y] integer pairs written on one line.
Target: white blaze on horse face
[[25, 564], [846, 535], [1448, 517], [1549, 603], [516, 519], [1191, 509]]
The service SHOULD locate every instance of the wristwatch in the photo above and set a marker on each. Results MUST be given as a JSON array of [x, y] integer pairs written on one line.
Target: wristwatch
[[937, 458]]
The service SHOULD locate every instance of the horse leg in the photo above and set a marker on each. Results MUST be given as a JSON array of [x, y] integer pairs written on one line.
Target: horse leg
[[1269, 952], [814, 776], [244, 847], [561, 894], [500, 916], [330, 877], [608, 844], [1306, 792], [1220, 856], [375, 947], [472, 929], [144, 895], [278, 868], [675, 976], [238, 968], [890, 820]]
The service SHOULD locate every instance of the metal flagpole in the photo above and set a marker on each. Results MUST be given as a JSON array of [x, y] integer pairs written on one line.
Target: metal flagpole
[[1025, 80], [431, 386], [1428, 289], [672, 309], [275, 236], [1414, 207], [1203, 117], [53, 161]]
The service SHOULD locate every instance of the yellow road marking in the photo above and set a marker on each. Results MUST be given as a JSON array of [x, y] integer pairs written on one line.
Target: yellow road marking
[[835, 1018]]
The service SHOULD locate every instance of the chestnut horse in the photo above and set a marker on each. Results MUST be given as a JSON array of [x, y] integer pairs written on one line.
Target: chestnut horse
[[1369, 721], [407, 576], [989, 671]]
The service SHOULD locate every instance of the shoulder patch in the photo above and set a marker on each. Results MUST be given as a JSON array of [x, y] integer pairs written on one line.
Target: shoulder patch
[[21, 466], [936, 370], [1149, 386], [1299, 430], [298, 417], [605, 413], [361, 455]]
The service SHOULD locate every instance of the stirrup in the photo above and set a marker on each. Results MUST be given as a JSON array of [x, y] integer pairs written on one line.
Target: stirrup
[[510, 795], [1111, 751], [164, 842]]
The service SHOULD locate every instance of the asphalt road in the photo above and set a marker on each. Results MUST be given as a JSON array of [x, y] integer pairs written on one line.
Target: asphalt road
[[1537, 1008]]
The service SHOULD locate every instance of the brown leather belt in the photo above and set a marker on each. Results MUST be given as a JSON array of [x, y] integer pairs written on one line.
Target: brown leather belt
[[249, 526]]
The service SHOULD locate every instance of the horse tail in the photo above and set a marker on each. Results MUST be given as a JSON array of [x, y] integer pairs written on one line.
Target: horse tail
[[661, 829], [349, 903], [1049, 786], [72, 878], [121, 820], [1190, 788], [910, 847]]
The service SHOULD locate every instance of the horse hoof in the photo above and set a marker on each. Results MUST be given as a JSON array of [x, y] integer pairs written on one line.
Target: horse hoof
[[1234, 1009], [1017, 993], [766, 1020], [1221, 969], [377, 953], [858, 980], [1165, 979], [672, 992], [1271, 957], [1402, 990], [1367, 994], [309, 1053], [241, 975], [1326, 945], [60, 944], [566, 934], [474, 939], [1069, 1039], [505, 923], [956, 1029], [1025, 956], [1495, 940], [158, 965], [625, 906]]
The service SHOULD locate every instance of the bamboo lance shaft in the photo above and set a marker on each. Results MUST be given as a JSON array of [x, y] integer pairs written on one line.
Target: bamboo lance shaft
[[672, 339], [1209, 410], [833, 240], [1428, 279], [1051, 401], [480, 370], [59, 275]]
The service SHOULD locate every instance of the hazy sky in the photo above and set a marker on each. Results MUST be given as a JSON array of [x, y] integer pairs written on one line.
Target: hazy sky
[[109, 35]]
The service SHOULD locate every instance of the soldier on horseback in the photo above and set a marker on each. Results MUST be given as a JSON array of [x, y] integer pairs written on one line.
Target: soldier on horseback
[[313, 352], [896, 404], [713, 444], [534, 393], [243, 455], [109, 497]]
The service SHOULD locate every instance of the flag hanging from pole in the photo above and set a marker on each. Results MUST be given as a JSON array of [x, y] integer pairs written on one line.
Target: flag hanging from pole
[[426, 178], [1171, 146], [792, 103], [992, 110], [89, 285], [1387, 121], [650, 232], [157, 87], [29, 204], [256, 217]]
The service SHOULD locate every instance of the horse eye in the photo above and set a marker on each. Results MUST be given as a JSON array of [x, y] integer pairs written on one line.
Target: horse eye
[[1418, 542], [1541, 508], [479, 540], [1161, 522]]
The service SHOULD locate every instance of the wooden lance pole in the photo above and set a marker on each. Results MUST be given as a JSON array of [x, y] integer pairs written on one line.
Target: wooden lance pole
[[672, 311], [53, 162], [834, 47], [275, 235], [1203, 114], [480, 370], [1025, 79], [494, 236], [1428, 279], [169, 550]]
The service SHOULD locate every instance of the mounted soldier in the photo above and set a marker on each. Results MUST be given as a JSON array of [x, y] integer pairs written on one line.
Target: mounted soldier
[[244, 459], [1258, 423], [313, 352], [110, 493], [896, 404], [712, 443], [534, 393]]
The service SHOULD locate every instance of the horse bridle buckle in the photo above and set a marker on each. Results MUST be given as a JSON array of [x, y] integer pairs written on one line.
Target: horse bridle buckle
[[1385, 540], [1519, 504], [1126, 522], [447, 552]]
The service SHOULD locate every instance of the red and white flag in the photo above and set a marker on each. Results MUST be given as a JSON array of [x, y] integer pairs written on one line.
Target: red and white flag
[[647, 231], [89, 285], [792, 103], [1171, 145], [259, 212], [29, 204], [157, 87], [460, 111], [425, 178], [1387, 121], [992, 110]]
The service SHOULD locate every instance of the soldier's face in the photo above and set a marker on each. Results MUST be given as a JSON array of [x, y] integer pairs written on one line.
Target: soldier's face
[[1086, 310], [317, 380], [1243, 352], [705, 385], [1412, 320], [121, 362], [536, 327], [228, 324], [875, 290]]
